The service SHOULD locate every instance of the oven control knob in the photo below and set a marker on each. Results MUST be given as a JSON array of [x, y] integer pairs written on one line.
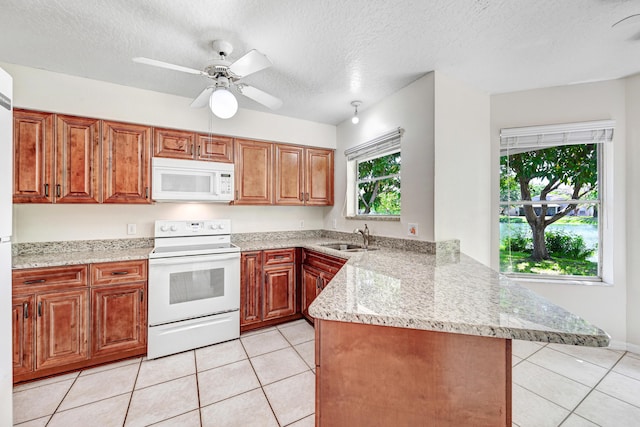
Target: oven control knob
[[174, 228], [164, 228]]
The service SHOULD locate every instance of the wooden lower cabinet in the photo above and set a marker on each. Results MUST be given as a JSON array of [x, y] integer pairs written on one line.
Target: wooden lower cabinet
[[268, 288], [61, 328], [317, 271], [64, 321], [22, 333], [118, 319]]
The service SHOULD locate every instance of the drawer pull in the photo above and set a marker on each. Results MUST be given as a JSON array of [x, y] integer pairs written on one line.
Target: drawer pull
[[119, 273], [31, 282], [57, 190], [40, 309], [26, 310], [46, 190]]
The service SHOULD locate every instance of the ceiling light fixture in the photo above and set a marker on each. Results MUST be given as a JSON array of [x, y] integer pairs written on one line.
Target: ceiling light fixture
[[355, 119], [222, 102]]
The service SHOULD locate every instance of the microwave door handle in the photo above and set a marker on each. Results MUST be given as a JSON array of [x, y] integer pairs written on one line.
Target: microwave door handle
[[191, 258]]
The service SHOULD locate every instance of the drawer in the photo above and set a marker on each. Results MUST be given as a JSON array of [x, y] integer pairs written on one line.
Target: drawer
[[49, 278], [279, 256], [112, 273], [326, 263]]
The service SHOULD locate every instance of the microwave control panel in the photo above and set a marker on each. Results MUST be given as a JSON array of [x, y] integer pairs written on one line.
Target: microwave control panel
[[226, 183]]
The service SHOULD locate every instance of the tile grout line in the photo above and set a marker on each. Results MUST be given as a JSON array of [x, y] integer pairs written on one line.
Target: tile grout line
[[195, 362], [126, 413], [260, 382]]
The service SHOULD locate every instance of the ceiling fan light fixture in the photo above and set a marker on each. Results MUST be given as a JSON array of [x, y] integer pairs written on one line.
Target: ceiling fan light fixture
[[355, 119], [223, 104]]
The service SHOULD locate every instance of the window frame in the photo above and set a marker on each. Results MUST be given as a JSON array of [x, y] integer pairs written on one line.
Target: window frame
[[535, 136]]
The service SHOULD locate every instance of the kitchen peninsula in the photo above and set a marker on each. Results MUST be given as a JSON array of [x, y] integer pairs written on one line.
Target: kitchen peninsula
[[404, 338]]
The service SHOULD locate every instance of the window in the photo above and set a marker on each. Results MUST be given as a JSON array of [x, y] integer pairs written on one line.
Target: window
[[373, 176], [551, 199]]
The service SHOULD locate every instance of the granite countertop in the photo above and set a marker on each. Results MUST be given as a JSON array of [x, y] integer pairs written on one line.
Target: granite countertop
[[452, 294], [447, 292]]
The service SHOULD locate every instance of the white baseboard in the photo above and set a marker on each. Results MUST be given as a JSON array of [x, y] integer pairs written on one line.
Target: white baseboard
[[618, 345], [633, 348]]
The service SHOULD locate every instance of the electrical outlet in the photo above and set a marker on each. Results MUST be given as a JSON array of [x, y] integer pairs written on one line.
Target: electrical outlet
[[131, 229], [335, 223], [412, 230], [302, 223]]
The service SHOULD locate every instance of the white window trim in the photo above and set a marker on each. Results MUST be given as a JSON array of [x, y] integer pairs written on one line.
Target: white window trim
[[600, 132], [383, 145]]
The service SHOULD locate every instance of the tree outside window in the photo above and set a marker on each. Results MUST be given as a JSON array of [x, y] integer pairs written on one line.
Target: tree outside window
[[378, 185], [549, 209]]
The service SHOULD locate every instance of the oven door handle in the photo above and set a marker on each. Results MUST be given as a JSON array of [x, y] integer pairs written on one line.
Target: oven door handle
[[193, 258]]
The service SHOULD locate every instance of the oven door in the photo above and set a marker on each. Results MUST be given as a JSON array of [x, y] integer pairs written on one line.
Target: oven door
[[193, 286]]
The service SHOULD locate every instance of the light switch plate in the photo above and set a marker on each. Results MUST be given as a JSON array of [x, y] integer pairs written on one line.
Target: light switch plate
[[412, 229]]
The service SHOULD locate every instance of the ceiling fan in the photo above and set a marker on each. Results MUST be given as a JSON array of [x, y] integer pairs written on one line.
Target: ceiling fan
[[225, 75]]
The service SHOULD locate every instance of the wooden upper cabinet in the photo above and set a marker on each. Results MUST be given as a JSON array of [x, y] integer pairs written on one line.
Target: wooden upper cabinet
[[289, 175], [33, 159], [215, 148], [319, 177], [176, 144], [77, 160], [253, 172], [126, 153]]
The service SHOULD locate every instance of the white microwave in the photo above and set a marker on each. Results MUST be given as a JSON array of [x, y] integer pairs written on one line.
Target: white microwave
[[178, 180]]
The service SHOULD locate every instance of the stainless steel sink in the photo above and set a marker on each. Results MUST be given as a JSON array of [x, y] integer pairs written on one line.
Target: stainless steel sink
[[347, 247]]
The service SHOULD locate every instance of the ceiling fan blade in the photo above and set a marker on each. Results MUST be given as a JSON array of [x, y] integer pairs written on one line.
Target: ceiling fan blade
[[161, 64], [252, 62], [260, 96], [203, 99]]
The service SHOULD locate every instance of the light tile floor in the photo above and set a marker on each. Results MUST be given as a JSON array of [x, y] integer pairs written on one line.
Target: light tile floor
[[266, 379]]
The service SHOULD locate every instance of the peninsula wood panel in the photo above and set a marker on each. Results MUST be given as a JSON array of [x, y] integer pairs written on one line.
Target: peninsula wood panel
[[126, 152], [33, 156], [77, 160], [61, 328], [429, 378], [289, 175], [253, 172], [22, 333]]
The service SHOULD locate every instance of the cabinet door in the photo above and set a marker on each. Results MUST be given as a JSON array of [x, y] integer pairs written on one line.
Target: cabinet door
[[253, 172], [33, 160], [176, 144], [311, 286], [61, 328], [289, 177], [77, 160], [250, 287], [279, 296], [118, 316], [215, 148], [22, 315], [319, 177], [126, 151]]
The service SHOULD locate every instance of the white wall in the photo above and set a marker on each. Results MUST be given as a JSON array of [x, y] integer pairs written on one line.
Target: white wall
[[411, 108], [462, 178], [43, 90], [633, 210], [603, 305]]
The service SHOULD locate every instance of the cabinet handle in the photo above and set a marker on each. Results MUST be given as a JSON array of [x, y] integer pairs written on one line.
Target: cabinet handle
[[302, 197], [119, 273], [26, 310], [236, 194], [307, 197], [198, 151], [40, 309], [31, 282], [46, 190], [141, 295], [191, 149], [318, 283], [146, 192], [57, 190]]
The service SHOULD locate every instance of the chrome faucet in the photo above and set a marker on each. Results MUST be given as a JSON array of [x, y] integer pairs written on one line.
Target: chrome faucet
[[365, 236]]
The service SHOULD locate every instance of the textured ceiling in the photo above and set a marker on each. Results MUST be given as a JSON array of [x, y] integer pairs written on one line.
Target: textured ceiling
[[328, 53]]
